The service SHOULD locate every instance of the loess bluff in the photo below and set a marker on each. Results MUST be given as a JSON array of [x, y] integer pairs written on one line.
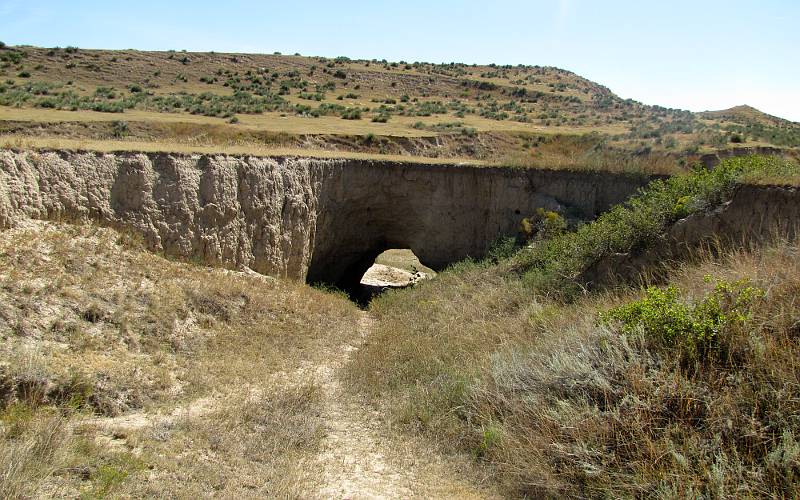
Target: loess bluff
[[320, 220]]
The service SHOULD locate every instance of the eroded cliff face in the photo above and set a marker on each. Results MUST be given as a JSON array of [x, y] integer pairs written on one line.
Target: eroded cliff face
[[315, 219], [236, 212], [443, 213]]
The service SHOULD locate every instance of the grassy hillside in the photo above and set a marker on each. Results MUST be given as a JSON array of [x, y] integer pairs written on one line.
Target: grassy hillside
[[685, 389], [125, 374], [500, 114]]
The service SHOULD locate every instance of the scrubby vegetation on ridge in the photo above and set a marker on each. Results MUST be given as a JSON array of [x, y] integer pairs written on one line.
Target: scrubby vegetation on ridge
[[687, 389], [500, 114]]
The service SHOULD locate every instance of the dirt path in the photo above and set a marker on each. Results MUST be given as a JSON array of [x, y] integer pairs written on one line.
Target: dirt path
[[362, 458]]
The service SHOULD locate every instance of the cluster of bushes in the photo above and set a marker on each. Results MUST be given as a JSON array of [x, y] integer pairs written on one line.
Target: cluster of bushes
[[696, 332], [556, 263], [317, 96], [786, 136], [479, 85], [424, 108], [351, 114], [542, 225], [655, 128], [209, 104], [106, 99], [11, 57], [45, 95]]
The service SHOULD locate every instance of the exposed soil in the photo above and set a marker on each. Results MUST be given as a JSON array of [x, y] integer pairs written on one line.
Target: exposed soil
[[362, 458]]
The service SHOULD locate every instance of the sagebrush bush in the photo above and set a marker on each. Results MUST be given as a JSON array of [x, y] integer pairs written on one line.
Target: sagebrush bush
[[351, 114], [695, 331]]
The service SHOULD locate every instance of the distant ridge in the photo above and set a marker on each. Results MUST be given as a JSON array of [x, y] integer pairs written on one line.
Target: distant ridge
[[747, 113]]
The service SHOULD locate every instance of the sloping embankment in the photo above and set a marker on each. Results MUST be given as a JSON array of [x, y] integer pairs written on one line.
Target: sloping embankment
[[753, 214]]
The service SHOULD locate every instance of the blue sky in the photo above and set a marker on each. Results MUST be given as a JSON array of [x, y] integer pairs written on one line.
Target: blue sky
[[701, 54]]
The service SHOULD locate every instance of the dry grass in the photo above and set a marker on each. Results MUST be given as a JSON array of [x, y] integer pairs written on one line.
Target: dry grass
[[272, 122], [255, 446], [557, 405], [164, 378], [400, 126], [27, 142], [578, 153]]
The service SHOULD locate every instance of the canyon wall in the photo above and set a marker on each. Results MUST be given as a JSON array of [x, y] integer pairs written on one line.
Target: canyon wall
[[443, 213], [324, 220]]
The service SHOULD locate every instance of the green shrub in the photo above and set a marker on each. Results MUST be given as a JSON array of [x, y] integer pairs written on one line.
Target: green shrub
[[105, 93], [543, 224], [554, 264], [352, 114], [119, 129], [695, 330], [502, 248]]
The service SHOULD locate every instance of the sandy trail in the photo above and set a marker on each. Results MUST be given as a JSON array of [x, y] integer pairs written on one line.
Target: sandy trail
[[362, 459]]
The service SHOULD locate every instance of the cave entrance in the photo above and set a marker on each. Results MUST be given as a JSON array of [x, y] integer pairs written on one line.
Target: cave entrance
[[392, 269]]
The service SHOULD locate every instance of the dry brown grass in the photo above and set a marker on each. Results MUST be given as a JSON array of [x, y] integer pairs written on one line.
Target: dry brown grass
[[164, 378], [271, 122], [589, 153], [27, 142]]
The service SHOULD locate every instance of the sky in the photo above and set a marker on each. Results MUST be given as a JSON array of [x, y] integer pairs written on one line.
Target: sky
[[697, 55]]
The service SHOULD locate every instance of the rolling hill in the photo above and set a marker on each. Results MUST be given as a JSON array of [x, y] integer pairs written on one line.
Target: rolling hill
[[262, 104]]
